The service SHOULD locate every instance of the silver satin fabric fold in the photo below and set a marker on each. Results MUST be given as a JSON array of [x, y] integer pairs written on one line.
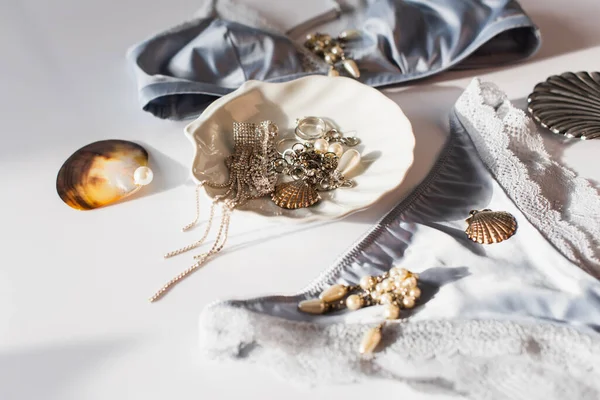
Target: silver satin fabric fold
[[180, 71]]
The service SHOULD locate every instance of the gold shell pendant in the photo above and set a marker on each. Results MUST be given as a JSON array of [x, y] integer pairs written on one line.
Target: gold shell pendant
[[487, 226], [295, 194]]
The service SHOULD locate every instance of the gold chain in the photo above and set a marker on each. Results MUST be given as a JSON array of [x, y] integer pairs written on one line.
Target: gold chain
[[218, 245]]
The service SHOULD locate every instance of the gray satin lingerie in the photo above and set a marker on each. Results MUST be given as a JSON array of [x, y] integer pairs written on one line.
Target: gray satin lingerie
[[180, 71], [514, 320]]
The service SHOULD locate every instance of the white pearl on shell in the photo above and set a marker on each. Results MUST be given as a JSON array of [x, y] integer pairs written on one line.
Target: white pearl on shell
[[386, 298], [367, 282], [321, 145], [336, 148], [353, 302], [142, 176], [348, 162], [391, 311]]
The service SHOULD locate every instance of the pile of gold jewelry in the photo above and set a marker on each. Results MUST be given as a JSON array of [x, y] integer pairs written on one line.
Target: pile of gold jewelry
[[309, 167], [256, 169], [395, 290]]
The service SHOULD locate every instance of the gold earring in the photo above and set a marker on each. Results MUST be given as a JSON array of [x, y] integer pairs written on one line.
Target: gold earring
[[487, 226], [396, 289]]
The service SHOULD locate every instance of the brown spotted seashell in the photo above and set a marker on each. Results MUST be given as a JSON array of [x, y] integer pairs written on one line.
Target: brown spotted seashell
[[102, 173], [487, 226], [295, 194]]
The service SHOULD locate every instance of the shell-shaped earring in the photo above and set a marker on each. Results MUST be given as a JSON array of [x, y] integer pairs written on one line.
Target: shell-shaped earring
[[295, 194], [487, 226]]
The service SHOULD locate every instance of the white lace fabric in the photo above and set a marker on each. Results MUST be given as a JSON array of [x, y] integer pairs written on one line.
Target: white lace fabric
[[564, 207], [472, 359], [504, 324]]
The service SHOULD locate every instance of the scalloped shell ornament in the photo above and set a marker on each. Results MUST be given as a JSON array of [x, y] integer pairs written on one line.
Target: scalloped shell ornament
[[295, 194], [487, 226], [568, 104]]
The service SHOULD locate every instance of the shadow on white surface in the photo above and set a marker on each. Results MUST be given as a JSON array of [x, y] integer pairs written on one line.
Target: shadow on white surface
[[52, 372], [168, 174], [562, 35]]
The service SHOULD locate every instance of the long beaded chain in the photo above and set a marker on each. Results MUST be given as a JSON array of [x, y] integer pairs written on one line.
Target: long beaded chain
[[250, 176]]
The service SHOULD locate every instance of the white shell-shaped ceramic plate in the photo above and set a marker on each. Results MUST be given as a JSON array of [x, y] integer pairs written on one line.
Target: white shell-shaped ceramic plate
[[387, 140]]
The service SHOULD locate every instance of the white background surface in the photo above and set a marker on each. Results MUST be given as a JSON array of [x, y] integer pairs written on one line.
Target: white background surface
[[74, 318]]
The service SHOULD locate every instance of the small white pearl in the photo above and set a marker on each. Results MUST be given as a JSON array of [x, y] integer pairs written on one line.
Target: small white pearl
[[387, 285], [409, 282], [336, 148], [353, 302], [321, 145], [375, 295], [415, 292], [142, 176], [391, 311], [379, 288], [386, 298], [408, 302], [367, 282]]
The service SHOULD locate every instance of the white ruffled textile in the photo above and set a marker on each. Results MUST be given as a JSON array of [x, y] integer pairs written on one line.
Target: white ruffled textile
[[515, 320], [562, 205]]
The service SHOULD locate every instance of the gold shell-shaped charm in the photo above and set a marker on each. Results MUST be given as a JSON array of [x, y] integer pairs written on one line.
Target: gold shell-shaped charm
[[102, 173], [487, 226], [295, 194]]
